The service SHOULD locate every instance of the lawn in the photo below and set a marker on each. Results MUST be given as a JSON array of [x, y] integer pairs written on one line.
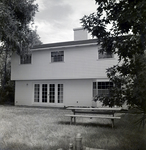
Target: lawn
[[27, 128]]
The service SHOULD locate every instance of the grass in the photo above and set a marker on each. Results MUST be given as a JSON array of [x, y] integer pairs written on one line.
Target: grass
[[27, 128]]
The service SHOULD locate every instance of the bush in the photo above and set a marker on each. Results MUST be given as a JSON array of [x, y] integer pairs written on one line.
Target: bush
[[7, 93]]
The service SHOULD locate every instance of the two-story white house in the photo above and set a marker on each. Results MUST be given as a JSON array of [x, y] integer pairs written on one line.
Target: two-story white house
[[62, 74]]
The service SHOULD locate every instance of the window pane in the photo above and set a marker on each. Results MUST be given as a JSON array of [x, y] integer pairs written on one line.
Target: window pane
[[57, 56], [102, 88], [94, 85], [60, 93], [36, 92], [103, 92], [25, 59], [44, 92], [95, 89], [99, 85], [102, 55], [52, 93]]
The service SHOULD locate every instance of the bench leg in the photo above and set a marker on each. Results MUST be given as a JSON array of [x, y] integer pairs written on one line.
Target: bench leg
[[112, 123], [73, 118]]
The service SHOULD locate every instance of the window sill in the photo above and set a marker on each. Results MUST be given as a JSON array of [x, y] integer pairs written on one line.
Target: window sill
[[25, 64], [57, 62]]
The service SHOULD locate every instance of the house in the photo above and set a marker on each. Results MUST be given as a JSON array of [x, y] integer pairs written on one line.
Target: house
[[62, 74]]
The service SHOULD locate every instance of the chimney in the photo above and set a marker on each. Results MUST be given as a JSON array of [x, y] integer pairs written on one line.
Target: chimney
[[80, 34]]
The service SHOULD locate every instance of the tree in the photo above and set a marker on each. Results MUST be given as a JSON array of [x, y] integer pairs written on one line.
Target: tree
[[16, 18], [16, 35], [6, 85], [120, 27], [34, 38]]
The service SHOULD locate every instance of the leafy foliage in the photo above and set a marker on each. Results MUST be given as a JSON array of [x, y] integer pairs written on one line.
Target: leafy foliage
[[16, 35], [120, 27], [16, 18], [6, 85]]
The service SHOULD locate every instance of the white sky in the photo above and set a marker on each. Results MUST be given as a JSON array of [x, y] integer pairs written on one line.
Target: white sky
[[56, 19]]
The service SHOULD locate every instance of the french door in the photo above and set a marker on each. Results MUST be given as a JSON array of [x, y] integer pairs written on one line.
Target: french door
[[48, 93]]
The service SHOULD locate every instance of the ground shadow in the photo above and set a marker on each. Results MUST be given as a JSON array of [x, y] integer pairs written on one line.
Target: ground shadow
[[89, 124]]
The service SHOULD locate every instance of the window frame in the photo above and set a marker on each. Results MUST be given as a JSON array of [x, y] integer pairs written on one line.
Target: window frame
[[60, 93], [48, 93], [44, 93], [37, 93], [26, 59], [57, 56], [52, 93], [101, 88], [105, 55]]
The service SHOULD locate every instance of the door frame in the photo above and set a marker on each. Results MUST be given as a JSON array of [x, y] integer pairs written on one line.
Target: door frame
[[48, 94]]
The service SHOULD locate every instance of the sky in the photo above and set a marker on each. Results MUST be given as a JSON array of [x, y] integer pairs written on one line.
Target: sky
[[56, 19]]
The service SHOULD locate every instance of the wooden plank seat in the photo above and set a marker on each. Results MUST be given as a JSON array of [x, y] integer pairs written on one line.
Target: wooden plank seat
[[93, 112], [91, 116]]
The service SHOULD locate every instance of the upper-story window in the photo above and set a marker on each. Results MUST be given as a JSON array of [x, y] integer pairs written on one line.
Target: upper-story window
[[102, 55], [57, 56], [25, 59]]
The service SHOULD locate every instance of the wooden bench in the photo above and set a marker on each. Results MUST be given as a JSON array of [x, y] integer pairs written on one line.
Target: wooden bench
[[93, 112], [91, 116]]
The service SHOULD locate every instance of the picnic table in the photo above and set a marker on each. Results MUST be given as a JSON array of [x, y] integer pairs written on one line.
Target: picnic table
[[101, 113]]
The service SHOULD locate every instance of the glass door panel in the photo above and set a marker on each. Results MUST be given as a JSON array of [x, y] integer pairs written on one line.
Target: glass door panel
[[36, 92], [52, 93], [44, 93], [48, 93], [60, 93]]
